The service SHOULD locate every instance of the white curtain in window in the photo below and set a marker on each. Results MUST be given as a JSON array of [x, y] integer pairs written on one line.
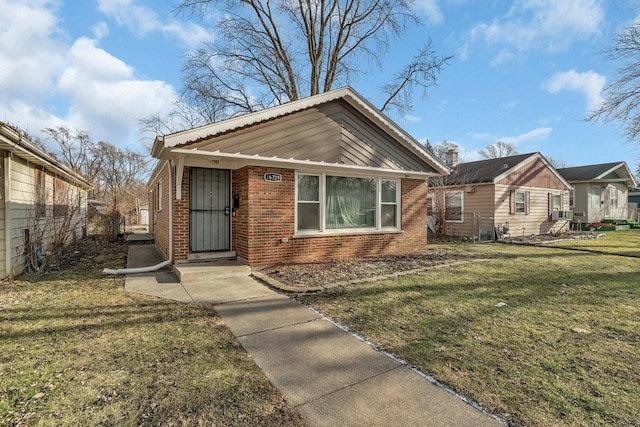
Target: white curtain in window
[[350, 202]]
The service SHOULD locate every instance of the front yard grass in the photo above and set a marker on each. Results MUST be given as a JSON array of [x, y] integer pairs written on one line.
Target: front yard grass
[[563, 350], [78, 350], [624, 242]]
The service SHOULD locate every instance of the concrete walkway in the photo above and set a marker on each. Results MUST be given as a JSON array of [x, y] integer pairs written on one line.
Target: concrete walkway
[[331, 377]]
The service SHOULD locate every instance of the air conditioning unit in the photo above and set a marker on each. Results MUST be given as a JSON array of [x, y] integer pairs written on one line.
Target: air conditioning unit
[[560, 215]]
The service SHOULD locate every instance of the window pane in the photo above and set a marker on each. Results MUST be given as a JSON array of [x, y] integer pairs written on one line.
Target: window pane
[[453, 205], [389, 191], [308, 216], [308, 188], [350, 202], [521, 202], [595, 197], [388, 215], [557, 201]]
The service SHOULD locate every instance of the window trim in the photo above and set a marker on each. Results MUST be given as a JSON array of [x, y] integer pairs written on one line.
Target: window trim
[[40, 193], [324, 231], [446, 207], [513, 204], [572, 198], [596, 189]]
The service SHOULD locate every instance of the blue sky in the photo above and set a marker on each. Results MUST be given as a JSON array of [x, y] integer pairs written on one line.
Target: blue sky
[[525, 72]]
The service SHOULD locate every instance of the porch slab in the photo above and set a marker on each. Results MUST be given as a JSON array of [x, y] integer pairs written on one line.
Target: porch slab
[[220, 291], [210, 271]]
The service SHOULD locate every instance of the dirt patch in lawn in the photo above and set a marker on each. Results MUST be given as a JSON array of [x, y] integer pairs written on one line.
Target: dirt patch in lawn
[[321, 274]]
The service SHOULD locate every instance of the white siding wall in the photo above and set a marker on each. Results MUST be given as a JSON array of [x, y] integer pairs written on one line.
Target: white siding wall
[[23, 213]]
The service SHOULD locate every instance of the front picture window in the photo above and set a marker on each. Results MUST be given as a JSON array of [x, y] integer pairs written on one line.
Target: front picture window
[[331, 203], [350, 202]]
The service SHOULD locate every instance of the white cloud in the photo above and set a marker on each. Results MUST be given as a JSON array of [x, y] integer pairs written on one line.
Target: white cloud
[[432, 11], [549, 25], [100, 30], [143, 20], [107, 99], [538, 134], [588, 83], [45, 82], [30, 56]]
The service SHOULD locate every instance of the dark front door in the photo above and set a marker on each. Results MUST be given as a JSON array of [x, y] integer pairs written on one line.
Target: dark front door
[[209, 210]]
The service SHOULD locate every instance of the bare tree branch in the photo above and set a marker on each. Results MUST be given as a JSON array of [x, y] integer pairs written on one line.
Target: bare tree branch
[[499, 149], [269, 52], [622, 96]]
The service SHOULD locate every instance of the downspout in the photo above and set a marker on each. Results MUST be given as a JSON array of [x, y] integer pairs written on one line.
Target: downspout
[[7, 214], [163, 264]]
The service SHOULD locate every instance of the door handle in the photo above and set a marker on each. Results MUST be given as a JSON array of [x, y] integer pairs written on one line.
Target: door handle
[[227, 210]]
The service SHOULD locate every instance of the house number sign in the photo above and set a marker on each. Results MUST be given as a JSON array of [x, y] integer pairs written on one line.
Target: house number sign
[[272, 177]]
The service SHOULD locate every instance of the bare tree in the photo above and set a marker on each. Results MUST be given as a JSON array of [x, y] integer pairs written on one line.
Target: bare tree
[[556, 162], [118, 175], [622, 96], [440, 150], [77, 150], [499, 149], [269, 52]]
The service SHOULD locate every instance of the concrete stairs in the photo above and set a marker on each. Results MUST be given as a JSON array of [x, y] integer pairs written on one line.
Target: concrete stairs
[[209, 271]]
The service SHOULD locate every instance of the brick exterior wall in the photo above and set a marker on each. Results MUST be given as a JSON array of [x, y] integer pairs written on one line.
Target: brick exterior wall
[[181, 220], [159, 218], [270, 213], [266, 215]]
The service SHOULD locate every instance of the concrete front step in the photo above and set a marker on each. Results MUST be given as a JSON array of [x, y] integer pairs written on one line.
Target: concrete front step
[[210, 271]]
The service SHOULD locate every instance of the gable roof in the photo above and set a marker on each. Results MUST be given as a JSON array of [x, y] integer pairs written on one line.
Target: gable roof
[[492, 171], [603, 172], [222, 140], [13, 141]]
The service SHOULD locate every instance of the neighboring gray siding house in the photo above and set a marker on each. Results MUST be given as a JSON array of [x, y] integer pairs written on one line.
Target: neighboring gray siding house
[[43, 202], [600, 191]]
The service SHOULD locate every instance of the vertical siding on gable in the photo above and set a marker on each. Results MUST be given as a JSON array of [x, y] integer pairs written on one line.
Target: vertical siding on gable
[[533, 174]]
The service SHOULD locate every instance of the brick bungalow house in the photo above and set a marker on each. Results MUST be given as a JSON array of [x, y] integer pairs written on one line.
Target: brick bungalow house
[[325, 177]]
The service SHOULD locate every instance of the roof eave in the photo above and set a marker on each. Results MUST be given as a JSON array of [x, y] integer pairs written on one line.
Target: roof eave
[[216, 158]]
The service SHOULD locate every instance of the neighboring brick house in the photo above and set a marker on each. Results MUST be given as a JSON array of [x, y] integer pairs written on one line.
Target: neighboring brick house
[[326, 177], [523, 194], [44, 203]]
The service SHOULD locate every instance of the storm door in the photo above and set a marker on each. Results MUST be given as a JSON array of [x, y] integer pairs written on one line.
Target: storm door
[[209, 210]]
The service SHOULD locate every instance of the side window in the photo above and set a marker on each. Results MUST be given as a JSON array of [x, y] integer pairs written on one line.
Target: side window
[[595, 197], [159, 196], [454, 205], [389, 204], [519, 202], [308, 201], [41, 194]]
